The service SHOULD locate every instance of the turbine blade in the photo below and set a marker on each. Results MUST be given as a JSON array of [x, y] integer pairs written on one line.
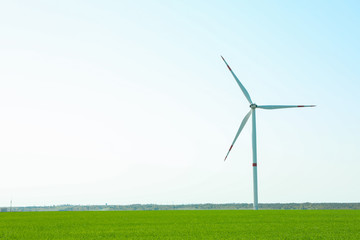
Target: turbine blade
[[239, 131], [239, 83], [271, 107]]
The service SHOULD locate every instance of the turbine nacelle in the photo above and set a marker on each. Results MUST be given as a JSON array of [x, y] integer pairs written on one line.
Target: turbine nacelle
[[253, 106]]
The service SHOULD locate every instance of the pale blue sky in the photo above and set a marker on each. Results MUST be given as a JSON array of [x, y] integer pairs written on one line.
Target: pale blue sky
[[125, 102]]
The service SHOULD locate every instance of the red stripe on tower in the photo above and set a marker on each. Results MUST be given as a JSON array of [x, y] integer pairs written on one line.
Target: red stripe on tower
[[254, 165]]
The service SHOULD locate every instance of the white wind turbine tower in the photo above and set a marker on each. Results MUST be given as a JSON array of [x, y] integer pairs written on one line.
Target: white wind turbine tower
[[253, 107]]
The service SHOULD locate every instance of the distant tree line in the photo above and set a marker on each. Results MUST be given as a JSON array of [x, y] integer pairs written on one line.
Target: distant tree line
[[206, 206]]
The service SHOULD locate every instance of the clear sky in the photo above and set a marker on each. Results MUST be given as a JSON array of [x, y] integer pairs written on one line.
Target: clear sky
[[124, 102]]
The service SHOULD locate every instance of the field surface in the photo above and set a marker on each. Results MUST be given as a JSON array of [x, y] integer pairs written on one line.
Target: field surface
[[214, 224]]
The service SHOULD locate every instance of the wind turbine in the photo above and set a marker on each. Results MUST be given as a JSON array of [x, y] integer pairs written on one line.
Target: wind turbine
[[253, 107]]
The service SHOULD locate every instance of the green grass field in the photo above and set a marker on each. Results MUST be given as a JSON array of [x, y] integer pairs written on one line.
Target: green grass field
[[215, 224]]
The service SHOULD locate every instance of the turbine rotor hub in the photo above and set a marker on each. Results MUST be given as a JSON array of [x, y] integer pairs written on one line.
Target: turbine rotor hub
[[253, 105]]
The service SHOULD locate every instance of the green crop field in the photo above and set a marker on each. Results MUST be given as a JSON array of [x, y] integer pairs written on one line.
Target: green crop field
[[215, 224]]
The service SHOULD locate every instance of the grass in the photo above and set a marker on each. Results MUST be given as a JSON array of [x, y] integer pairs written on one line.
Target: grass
[[216, 224]]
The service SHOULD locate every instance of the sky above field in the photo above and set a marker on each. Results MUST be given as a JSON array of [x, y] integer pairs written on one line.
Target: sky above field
[[125, 102]]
